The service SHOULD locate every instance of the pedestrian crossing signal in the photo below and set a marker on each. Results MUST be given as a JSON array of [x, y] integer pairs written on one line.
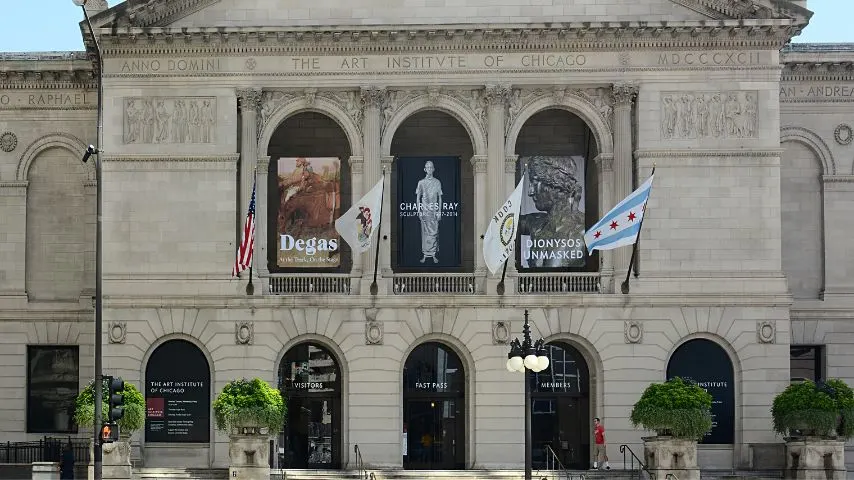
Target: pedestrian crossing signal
[[110, 433]]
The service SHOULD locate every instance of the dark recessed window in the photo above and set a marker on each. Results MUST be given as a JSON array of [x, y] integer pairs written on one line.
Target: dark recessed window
[[53, 381], [806, 362]]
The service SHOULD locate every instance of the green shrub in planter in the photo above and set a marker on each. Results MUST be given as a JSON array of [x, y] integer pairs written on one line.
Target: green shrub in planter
[[807, 408], [674, 408], [133, 419], [249, 403]]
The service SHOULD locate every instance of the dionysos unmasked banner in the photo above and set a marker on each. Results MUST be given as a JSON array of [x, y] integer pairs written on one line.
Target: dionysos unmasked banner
[[552, 213]]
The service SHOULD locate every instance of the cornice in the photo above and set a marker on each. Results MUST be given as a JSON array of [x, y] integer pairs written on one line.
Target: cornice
[[171, 162], [818, 71], [695, 153], [729, 34]]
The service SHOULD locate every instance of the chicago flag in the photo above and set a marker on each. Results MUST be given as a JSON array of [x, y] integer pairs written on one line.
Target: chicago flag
[[620, 226]]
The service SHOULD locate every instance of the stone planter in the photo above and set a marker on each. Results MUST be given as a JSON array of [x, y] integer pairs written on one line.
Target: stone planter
[[664, 455], [45, 471], [116, 460], [249, 454], [815, 458]]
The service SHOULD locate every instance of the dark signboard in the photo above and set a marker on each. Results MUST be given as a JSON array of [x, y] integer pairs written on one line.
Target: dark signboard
[[177, 394], [428, 212], [552, 214], [707, 364]]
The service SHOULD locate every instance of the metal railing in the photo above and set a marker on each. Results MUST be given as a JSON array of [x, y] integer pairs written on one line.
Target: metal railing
[[360, 465], [48, 449], [310, 284], [549, 283], [635, 464], [554, 464], [453, 283]]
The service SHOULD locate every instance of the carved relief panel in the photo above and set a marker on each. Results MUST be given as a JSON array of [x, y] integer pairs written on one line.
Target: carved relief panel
[[169, 120], [698, 115]]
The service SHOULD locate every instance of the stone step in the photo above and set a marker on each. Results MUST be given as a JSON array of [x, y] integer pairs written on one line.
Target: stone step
[[452, 475], [180, 473]]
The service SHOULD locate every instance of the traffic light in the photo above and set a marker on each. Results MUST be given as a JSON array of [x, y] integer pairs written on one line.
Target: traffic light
[[117, 399]]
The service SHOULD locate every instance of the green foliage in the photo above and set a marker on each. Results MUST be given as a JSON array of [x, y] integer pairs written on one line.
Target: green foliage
[[823, 409], [675, 408], [249, 403], [133, 419]]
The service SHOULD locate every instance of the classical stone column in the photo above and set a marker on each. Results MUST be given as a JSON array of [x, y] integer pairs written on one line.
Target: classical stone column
[[261, 215], [481, 213], [496, 105], [373, 99], [356, 168], [248, 101], [604, 165], [510, 164], [624, 95]]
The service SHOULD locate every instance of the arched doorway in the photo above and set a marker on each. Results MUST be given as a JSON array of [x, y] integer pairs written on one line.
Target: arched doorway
[[310, 382], [432, 195], [706, 363], [561, 200], [434, 417], [177, 394], [560, 408]]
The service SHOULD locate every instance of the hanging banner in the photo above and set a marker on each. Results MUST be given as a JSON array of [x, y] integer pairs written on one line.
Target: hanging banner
[[552, 214], [309, 203], [428, 213]]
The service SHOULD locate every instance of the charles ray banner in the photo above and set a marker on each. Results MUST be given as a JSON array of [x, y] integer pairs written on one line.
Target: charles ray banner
[[428, 212], [309, 203], [552, 216]]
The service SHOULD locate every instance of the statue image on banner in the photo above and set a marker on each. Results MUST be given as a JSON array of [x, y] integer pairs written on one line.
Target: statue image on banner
[[552, 213], [310, 201], [428, 193]]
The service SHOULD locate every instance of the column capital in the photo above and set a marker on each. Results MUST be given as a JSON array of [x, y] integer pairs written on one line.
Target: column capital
[[624, 93], [496, 94], [248, 99], [263, 163], [478, 162], [357, 164], [373, 96], [511, 163], [605, 162]]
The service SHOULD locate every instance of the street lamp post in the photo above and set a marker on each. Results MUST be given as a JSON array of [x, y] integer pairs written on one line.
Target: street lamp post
[[523, 357], [96, 151]]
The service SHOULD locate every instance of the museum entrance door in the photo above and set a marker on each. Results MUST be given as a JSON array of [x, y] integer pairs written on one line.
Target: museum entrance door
[[560, 409], [310, 382], [434, 421]]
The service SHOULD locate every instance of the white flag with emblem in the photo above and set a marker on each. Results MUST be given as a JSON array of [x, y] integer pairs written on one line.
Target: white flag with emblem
[[358, 226], [500, 237]]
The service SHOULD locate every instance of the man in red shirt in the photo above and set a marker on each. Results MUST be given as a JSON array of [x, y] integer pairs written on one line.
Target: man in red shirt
[[599, 446]]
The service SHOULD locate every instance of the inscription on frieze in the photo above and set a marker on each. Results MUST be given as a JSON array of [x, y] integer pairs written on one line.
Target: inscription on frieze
[[817, 92], [710, 58], [47, 100], [169, 120], [697, 115]]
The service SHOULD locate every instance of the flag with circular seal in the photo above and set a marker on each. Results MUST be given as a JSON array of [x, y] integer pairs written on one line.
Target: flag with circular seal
[[500, 237]]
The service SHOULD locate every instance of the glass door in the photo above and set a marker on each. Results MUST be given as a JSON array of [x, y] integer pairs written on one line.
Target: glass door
[[561, 423], [433, 434], [310, 439]]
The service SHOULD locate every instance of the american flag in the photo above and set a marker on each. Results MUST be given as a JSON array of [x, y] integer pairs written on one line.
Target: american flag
[[247, 241]]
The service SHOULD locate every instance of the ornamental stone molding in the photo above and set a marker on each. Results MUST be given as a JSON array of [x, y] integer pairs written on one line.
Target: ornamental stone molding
[[624, 93], [8, 142], [766, 331], [814, 142], [633, 331], [843, 134], [248, 98], [373, 332], [501, 332], [117, 332], [478, 163], [63, 140], [244, 333]]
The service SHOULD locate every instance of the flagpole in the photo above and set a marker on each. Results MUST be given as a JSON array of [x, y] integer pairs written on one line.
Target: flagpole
[[624, 287], [500, 288], [374, 287], [250, 288]]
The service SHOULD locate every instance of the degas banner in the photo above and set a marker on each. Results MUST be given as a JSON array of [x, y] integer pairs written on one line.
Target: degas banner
[[428, 212], [309, 203], [552, 214]]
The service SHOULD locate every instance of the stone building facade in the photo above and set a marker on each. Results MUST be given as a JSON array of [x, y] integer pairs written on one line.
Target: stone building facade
[[745, 252]]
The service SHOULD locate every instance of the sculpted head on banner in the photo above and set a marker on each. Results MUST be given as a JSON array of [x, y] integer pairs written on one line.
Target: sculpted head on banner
[[553, 213]]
